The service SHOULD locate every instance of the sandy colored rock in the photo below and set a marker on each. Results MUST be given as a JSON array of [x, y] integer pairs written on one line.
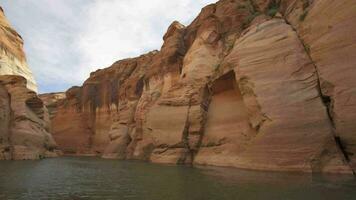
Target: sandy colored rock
[[24, 127], [12, 56], [259, 84], [51, 100], [227, 129], [330, 41], [24, 120], [284, 84]]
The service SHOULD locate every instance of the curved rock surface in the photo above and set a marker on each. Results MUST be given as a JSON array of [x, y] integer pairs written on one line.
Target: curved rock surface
[[24, 122], [12, 56], [330, 42], [256, 84]]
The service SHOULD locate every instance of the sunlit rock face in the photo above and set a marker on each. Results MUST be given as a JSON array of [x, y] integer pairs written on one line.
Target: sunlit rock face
[[12, 56], [259, 84]]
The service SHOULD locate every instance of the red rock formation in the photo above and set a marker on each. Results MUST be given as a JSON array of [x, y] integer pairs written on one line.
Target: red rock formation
[[257, 84], [51, 101]]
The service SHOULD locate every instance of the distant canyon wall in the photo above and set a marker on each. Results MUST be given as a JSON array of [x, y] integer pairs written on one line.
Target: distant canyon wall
[[255, 84]]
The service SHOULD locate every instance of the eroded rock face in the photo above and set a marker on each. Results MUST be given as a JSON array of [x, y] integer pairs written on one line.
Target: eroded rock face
[[51, 100], [280, 91], [12, 56], [259, 84], [227, 129], [330, 43], [24, 122], [5, 118]]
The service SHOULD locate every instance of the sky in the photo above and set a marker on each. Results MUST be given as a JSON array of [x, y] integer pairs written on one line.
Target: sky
[[65, 40]]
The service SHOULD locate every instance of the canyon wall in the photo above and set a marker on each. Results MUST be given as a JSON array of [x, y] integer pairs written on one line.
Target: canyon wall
[[255, 84], [12, 56], [24, 120]]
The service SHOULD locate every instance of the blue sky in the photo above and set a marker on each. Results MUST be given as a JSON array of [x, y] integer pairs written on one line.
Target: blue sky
[[65, 40]]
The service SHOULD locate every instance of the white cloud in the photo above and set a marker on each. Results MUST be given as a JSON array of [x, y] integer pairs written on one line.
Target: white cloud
[[127, 28], [66, 40]]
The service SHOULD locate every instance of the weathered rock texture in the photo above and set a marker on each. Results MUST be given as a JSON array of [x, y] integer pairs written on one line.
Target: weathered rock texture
[[24, 122], [51, 100], [12, 56], [256, 84]]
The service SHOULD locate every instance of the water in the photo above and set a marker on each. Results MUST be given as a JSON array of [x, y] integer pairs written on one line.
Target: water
[[73, 178]]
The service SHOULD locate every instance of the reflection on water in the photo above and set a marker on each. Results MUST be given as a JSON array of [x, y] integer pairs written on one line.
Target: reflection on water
[[93, 178]]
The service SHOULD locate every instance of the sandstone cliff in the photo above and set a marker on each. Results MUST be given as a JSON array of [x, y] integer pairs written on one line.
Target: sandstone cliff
[[12, 56], [51, 101], [256, 84], [24, 120]]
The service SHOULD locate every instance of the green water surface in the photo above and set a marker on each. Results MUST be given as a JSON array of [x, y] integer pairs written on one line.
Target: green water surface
[[77, 178]]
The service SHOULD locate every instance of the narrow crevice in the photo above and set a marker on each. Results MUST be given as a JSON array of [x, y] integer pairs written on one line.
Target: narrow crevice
[[185, 139], [11, 123], [204, 106], [342, 148], [192, 139], [326, 100], [328, 104]]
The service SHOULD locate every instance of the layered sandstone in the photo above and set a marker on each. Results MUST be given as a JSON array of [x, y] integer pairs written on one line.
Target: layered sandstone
[[329, 40], [256, 84], [12, 56], [51, 100], [24, 122]]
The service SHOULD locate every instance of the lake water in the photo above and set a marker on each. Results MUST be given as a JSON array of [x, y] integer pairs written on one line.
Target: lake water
[[77, 178]]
